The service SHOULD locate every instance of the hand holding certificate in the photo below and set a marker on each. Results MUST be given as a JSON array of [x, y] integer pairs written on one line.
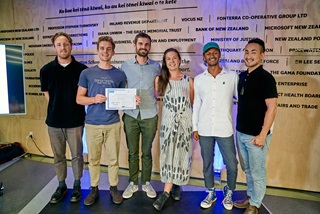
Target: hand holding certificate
[[120, 98]]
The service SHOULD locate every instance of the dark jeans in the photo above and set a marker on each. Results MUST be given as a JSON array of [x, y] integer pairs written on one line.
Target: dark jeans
[[133, 128]]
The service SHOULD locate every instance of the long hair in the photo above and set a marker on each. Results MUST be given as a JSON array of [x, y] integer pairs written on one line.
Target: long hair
[[165, 74]]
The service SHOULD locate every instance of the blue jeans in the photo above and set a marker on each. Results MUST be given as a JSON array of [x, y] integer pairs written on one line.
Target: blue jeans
[[228, 152], [253, 162]]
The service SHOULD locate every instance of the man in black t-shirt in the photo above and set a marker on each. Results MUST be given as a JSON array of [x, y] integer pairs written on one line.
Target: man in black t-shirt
[[65, 118], [257, 104]]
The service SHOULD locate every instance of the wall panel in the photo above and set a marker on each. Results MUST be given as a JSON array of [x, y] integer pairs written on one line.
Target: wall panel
[[290, 29]]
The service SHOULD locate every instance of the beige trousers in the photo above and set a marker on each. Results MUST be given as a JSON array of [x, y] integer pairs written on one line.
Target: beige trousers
[[107, 136]]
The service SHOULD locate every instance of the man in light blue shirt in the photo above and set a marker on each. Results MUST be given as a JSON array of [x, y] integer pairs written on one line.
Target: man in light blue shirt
[[141, 72]]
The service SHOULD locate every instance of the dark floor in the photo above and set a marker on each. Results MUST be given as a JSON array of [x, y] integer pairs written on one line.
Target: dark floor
[[29, 185], [140, 203]]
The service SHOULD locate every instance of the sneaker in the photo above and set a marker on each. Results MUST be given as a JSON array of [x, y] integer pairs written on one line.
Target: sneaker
[[149, 190], [58, 195], [131, 188], [115, 195], [175, 192], [161, 200], [208, 201], [227, 201], [93, 195], [76, 194]]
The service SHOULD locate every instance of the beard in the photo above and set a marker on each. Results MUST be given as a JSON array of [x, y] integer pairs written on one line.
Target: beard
[[142, 54], [64, 54]]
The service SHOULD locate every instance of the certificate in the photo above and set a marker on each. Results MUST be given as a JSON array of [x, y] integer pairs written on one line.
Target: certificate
[[120, 98]]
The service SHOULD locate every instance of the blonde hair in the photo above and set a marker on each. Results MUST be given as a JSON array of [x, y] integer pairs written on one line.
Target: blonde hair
[[55, 36]]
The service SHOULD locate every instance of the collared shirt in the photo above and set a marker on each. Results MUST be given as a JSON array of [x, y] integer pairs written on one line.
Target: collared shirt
[[142, 78], [213, 103], [254, 88], [62, 84]]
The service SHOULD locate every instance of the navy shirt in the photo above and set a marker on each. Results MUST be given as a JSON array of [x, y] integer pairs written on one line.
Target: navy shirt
[[253, 89], [96, 80]]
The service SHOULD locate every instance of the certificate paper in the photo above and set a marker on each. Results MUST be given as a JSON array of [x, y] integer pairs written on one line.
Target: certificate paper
[[120, 98]]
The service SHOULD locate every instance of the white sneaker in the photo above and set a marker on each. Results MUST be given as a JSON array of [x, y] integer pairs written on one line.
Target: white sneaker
[[227, 201], [211, 197], [149, 190], [131, 188]]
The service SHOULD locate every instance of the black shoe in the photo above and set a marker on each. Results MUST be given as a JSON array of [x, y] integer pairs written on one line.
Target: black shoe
[[58, 195], [93, 195], [175, 192], [161, 200], [76, 194], [115, 195], [1, 188]]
